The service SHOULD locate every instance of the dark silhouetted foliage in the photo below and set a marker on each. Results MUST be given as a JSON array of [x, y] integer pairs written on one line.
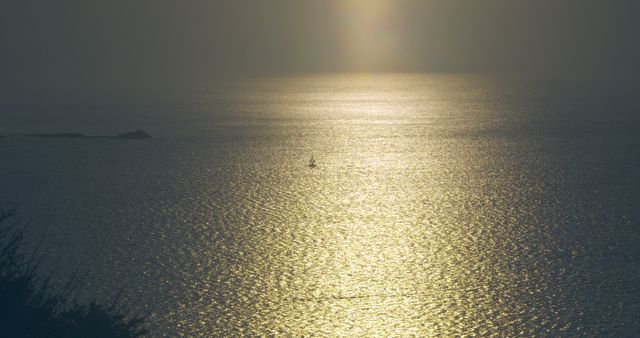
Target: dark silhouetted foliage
[[30, 308]]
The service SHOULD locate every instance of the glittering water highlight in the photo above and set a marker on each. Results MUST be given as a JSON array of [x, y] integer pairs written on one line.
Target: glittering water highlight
[[440, 206]]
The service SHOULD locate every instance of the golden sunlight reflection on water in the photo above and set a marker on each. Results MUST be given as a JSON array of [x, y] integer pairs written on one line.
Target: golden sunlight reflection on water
[[441, 205], [394, 233]]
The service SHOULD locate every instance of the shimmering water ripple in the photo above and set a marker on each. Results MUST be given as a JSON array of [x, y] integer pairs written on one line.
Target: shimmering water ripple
[[441, 206]]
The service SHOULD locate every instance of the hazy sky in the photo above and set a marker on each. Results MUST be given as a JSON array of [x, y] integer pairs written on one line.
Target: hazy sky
[[87, 48]]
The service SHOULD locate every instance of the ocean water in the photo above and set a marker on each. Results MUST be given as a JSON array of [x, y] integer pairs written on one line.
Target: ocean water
[[442, 205]]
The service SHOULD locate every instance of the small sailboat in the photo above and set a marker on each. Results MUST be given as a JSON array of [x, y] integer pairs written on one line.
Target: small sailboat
[[312, 162]]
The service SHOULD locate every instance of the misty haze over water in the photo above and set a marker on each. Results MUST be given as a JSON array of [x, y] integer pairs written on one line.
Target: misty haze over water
[[331, 167]]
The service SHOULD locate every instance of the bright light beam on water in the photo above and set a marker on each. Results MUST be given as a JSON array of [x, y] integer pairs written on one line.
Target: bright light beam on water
[[440, 206]]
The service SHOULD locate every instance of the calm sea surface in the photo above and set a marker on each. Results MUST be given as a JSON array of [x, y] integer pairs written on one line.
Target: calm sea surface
[[440, 206]]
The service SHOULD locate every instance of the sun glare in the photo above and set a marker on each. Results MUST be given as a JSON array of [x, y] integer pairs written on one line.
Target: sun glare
[[368, 31]]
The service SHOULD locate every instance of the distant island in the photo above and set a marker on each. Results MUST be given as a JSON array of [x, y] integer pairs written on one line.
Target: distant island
[[65, 135], [131, 135]]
